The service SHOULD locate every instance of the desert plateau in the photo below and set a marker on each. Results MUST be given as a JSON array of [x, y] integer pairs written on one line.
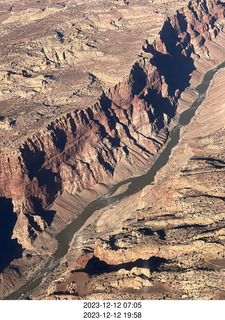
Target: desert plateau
[[112, 150]]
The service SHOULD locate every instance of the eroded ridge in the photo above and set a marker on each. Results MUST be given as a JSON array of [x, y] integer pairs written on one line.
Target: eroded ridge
[[167, 241], [119, 135]]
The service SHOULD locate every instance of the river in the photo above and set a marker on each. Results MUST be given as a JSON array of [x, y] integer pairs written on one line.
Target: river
[[135, 184]]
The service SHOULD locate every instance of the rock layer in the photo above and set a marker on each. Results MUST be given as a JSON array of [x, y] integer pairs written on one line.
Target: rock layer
[[118, 136], [167, 241]]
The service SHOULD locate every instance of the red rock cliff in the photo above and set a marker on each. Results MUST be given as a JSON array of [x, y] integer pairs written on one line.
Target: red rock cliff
[[127, 126]]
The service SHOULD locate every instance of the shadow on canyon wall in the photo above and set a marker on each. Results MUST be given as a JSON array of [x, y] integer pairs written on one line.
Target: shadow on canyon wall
[[48, 181], [47, 215], [96, 266], [9, 248], [138, 79], [176, 65]]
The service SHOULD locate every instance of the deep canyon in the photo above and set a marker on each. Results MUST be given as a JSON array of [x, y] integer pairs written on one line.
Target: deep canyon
[[89, 100]]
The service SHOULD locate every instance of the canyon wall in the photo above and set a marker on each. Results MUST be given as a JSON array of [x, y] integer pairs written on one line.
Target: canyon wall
[[119, 135], [84, 147], [166, 241]]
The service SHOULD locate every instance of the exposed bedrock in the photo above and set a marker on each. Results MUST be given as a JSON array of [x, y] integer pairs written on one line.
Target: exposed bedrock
[[117, 137], [167, 241]]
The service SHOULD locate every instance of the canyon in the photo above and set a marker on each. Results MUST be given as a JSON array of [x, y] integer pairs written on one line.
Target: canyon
[[88, 101]]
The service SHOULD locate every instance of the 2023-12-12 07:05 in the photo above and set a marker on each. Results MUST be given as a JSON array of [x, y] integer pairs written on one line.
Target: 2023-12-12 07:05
[[115, 304]]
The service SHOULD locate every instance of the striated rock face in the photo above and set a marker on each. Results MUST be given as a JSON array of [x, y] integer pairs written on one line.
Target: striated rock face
[[175, 227], [167, 241], [83, 148], [96, 142], [62, 129]]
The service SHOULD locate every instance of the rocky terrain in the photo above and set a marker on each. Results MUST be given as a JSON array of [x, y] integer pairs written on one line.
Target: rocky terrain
[[88, 100], [167, 241]]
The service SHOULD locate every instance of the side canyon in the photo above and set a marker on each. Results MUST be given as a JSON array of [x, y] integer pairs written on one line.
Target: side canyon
[[80, 114]]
